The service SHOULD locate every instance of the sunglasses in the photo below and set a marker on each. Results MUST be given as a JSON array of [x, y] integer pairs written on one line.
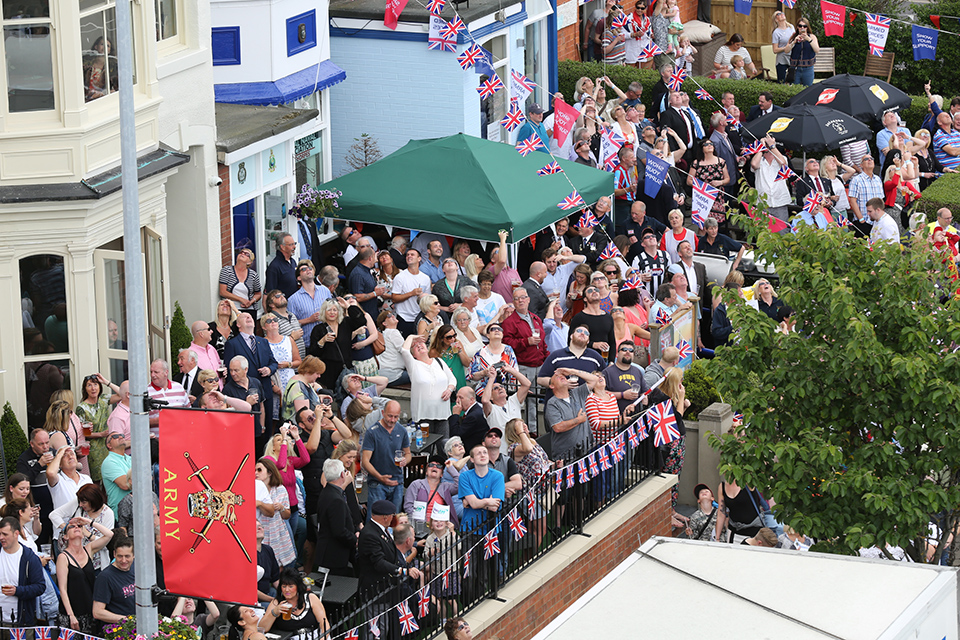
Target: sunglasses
[[271, 321], [611, 273], [209, 380], [627, 349], [434, 465]]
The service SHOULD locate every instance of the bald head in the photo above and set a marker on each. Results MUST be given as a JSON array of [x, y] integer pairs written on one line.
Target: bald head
[[538, 271], [670, 357], [125, 392]]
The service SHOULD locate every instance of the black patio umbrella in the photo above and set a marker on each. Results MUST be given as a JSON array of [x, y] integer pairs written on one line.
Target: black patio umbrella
[[866, 99], [805, 127]]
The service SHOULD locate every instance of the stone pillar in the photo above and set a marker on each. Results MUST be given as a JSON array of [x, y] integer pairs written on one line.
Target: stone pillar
[[717, 419]]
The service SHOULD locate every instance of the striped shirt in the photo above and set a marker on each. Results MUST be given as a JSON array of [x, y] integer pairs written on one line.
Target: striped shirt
[[602, 412], [863, 189], [942, 139], [175, 396], [250, 285], [287, 324]]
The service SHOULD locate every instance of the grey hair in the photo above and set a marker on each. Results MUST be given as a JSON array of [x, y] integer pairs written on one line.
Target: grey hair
[[468, 290], [166, 365], [191, 354], [243, 362], [373, 244], [451, 443], [635, 86], [332, 469], [281, 238]]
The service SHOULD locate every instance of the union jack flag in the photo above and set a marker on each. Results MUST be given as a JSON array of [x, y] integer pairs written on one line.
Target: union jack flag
[[650, 51], [702, 94], [570, 479], [752, 149], [789, 4], [549, 169], [582, 471], [423, 603], [516, 525], [685, 349], [813, 200], [611, 163], [67, 634], [660, 418], [43, 633], [491, 545], [375, 627], [470, 56], [633, 282], [572, 201], [592, 461], [17, 633], [353, 634], [642, 431], [513, 119], [602, 456], [531, 501], [522, 80], [466, 564], [621, 21], [662, 318], [676, 79], [489, 87], [616, 448], [698, 218], [530, 145], [452, 28], [442, 44], [446, 578], [408, 624], [737, 418], [615, 138], [558, 480], [842, 220], [632, 435], [785, 173], [436, 6], [587, 220], [874, 20], [610, 252], [733, 121]]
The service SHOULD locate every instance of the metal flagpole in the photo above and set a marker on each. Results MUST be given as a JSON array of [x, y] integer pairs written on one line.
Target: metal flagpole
[[144, 566]]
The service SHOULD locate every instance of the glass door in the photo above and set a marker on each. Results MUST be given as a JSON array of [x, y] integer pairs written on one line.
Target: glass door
[[158, 320], [112, 335]]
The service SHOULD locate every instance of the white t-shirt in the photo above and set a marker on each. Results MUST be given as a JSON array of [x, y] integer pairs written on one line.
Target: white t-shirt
[[487, 309], [10, 575], [262, 492], [777, 192], [405, 282], [885, 229], [500, 416], [66, 488]]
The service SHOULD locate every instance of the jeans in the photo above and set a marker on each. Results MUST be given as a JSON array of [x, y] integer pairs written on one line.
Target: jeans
[[804, 76], [782, 72], [377, 491]]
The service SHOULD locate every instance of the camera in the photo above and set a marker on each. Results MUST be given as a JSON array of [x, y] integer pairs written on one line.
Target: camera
[[498, 365], [215, 181]]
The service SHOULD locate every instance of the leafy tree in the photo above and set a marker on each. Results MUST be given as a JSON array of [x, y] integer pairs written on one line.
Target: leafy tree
[[363, 152], [180, 336], [14, 441], [851, 419]]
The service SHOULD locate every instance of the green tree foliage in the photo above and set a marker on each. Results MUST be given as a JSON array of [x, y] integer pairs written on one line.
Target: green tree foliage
[[851, 420], [14, 439], [180, 336], [701, 391]]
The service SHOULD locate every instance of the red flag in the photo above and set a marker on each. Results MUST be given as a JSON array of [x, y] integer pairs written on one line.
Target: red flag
[[936, 21], [834, 17], [774, 224], [564, 117], [392, 13], [208, 504]]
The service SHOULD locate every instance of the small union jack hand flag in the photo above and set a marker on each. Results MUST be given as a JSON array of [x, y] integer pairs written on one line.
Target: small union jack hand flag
[[602, 456], [558, 480], [620, 21], [549, 169], [470, 56], [702, 94], [531, 501], [610, 252], [650, 51], [733, 121], [752, 149], [466, 565], [582, 471], [489, 87], [737, 418], [375, 627], [632, 436], [408, 624], [660, 418], [570, 478], [812, 201], [842, 220], [633, 282], [446, 578], [685, 349], [676, 80], [513, 119], [451, 30], [354, 634], [530, 145], [516, 525], [423, 603], [611, 163], [587, 220], [662, 318], [572, 201], [785, 173], [789, 4], [592, 460], [491, 545], [698, 218], [436, 6]]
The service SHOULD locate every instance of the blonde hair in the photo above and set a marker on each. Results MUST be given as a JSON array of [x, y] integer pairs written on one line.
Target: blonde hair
[[672, 380], [470, 266], [66, 395], [267, 316], [824, 172], [510, 430], [735, 60], [58, 416]]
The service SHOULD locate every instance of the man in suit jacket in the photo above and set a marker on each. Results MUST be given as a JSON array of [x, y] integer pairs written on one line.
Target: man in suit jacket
[[336, 534], [538, 299], [695, 272], [377, 557], [675, 118], [259, 358], [763, 107], [811, 181], [188, 376], [467, 420]]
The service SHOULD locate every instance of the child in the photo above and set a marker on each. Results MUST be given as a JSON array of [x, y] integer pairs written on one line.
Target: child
[[736, 68], [442, 550], [685, 54], [672, 13]]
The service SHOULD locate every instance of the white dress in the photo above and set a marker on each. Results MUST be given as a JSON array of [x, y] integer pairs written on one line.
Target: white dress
[[282, 352], [427, 384]]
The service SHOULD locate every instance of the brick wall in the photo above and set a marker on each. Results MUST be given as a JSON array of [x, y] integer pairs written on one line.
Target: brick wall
[[226, 217], [568, 41], [532, 614], [688, 10]]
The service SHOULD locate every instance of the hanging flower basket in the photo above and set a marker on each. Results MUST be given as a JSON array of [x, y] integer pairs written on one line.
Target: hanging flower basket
[[312, 203], [169, 629]]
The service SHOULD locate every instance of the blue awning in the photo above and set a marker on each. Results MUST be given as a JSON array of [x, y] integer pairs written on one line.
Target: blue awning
[[297, 85]]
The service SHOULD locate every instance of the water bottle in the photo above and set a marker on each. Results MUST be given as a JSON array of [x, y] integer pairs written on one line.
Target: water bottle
[[419, 438]]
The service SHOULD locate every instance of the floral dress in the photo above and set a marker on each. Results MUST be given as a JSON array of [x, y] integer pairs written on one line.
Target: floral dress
[[275, 531], [282, 352], [95, 414], [706, 173], [532, 467]]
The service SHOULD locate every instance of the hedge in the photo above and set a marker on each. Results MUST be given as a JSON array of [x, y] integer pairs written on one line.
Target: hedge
[[944, 192]]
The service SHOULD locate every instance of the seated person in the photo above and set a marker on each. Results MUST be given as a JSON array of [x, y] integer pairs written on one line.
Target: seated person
[[718, 244], [113, 592]]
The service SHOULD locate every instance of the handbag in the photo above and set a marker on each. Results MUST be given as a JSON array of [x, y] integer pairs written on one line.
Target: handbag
[[378, 345]]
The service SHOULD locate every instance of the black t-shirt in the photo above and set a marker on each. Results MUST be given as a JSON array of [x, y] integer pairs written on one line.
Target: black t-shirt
[[601, 330], [722, 246], [29, 464], [271, 570], [116, 590], [232, 390]]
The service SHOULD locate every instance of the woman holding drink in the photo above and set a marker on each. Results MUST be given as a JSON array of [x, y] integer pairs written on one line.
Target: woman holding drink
[[295, 609], [94, 409]]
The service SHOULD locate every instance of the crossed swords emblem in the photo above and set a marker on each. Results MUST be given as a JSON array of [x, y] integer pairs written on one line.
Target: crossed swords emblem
[[214, 506]]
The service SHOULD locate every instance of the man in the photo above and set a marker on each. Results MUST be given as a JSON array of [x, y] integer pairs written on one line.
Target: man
[[244, 387], [565, 416], [187, 378], [482, 489], [552, 237], [677, 119], [603, 212], [161, 387], [404, 539], [692, 113], [377, 557], [656, 370], [114, 591], [319, 445], [350, 236], [500, 408], [363, 285], [423, 239], [119, 369], [660, 92], [946, 143], [763, 107], [625, 182], [588, 243], [207, 356], [578, 356], [884, 227], [21, 575], [282, 272], [467, 419], [718, 244], [810, 182], [667, 301], [116, 470], [944, 221], [471, 297], [633, 93], [266, 560], [365, 242], [766, 165], [727, 146], [534, 287], [623, 378], [865, 186], [728, 100], [216, 401], [119, 420], [379, 459], [891, 128], [336, 535], [696, 273], [534, 125], [287, 322], [398, 249], [560, 266], [432, 266], [649, 261], [408, 286], [638, 221], [260, 362], [329, 278], [33, 464], [598, 322], [305, 303], [501, 462], [523, 331]]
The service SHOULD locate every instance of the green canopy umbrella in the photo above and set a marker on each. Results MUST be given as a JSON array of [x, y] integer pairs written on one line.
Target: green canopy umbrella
[[465, 187]]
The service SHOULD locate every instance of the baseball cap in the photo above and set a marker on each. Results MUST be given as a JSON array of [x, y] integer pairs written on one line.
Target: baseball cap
[[535, 108]]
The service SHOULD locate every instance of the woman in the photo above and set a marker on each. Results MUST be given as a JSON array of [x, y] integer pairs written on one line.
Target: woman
[[364, 360], [457, 629], [90, 503], [591, 122], [74, 429], [429, 317], [431, 490], [288, 452], [830, 169], [469, 339], [927, 162], [607, 298], [295, 609], [493, 353], [273, 514], [209, 381], [769, 303], [676, 234], [803, 48], [447, 290], [708, 519], [457, 459], [490, 303], [241, 284], [782, 30], [76, 574], [97, 69], [24, 513], [222, 327], [386, 271], [472, 266], [533, 462], [189, 607], [622, 126], [578, 284], [672, 389], [18, 488], [243, 623], [285, 352], [446, 347], [628, 331], [720, 326], [348, 452], [93, 411], [431, 385], [584, 87], [64, 477], [711, 169], [63, 433], [507, 278], [733, 47], [391, 363], [603, 413], [461, 252], [332, 338]]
